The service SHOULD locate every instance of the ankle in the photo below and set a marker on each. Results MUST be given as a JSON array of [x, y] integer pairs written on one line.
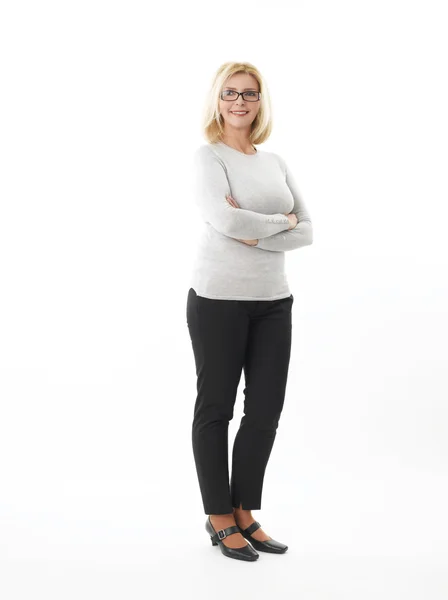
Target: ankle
[[240, 512], [227, 518]]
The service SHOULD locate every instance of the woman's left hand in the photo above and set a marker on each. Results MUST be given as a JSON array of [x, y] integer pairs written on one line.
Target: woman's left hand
[[233, 202], [248, 242]]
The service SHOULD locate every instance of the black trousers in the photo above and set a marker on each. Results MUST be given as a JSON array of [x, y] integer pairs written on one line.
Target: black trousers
[[229, 336]]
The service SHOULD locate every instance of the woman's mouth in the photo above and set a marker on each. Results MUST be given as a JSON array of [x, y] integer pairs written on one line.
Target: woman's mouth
[[239, 113]]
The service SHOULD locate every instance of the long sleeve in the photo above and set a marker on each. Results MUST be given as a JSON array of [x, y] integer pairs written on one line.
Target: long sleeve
[[302, 234], [211, 189]]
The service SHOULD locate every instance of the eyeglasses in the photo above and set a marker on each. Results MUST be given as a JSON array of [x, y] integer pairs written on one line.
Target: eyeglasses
[[231, 95]]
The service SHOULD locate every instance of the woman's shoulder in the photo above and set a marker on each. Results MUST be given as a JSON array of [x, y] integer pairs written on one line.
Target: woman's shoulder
[[206, 149], [208, 152], [277, 158]]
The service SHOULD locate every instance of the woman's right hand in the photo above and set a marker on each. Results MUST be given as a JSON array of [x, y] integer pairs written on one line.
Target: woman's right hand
[[232, 201], [292, 220]]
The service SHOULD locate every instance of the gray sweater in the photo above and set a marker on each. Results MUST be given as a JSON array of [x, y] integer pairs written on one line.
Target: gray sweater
[[264, 189]]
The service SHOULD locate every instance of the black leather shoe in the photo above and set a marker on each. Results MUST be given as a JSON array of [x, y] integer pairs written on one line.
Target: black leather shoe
[[244, 553], [266, 546]]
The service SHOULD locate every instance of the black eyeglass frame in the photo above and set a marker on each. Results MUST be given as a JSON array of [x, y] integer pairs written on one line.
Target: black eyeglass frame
[[240, 94]]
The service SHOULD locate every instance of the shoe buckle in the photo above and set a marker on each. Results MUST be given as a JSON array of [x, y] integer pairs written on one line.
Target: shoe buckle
[[221, 537]]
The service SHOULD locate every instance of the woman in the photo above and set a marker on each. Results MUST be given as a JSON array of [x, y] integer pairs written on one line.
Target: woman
[[239, 304]]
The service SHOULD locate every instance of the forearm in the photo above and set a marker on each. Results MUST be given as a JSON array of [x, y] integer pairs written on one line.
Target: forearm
[[247, 224], [301, 235]]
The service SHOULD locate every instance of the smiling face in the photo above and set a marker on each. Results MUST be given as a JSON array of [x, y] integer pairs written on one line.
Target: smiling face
[[239, 82]]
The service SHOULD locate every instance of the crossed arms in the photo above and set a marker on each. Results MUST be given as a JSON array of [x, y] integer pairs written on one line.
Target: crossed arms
[[212, 189]]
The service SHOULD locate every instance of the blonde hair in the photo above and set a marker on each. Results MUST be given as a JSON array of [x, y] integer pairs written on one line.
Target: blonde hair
[[212, 120]]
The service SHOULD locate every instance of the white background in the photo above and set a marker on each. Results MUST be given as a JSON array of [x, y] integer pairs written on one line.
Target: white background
[[100, 114]]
